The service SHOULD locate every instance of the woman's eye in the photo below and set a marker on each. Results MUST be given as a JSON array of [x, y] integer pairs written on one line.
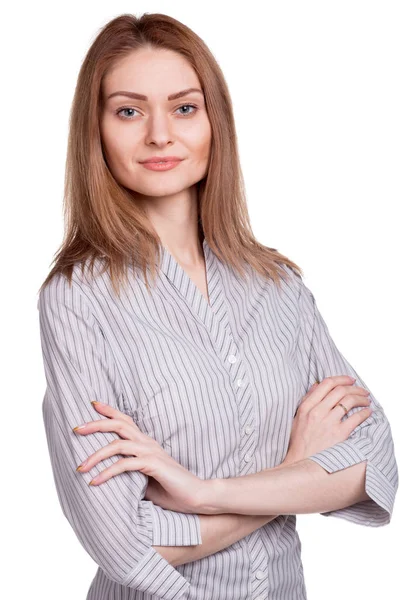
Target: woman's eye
[[184, 106], [188, 106], [122, 110]]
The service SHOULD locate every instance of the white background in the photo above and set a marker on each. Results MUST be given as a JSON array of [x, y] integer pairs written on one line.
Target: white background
[[316, 95]]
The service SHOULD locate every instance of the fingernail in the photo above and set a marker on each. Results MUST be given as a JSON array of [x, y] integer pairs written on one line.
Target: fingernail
[[95, 402], [82, 465], [79, 427]]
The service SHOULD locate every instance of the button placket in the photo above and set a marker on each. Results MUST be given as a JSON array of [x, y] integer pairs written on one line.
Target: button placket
[[233, 358], [245, 405], [221, 333], [260, 579], [247, 448], [260, 574]]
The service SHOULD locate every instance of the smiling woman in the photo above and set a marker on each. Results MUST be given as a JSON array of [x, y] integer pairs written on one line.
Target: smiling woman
[[205, 376], [152, 115]]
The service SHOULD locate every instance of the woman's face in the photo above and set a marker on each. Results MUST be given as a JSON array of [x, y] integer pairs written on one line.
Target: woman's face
[[134, 129]]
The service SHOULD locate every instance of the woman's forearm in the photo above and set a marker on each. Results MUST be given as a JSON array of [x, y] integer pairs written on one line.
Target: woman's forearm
[[217, 532], [299, 488]]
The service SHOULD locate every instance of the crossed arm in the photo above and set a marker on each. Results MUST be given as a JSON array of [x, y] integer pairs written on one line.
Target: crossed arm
[[299, 488], [128, 536], [356, 479]]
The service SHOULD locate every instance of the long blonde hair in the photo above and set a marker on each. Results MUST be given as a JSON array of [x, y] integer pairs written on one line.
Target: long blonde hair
[[101, 217]]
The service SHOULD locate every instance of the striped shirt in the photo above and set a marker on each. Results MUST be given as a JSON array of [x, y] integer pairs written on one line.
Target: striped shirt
[[217, 385]]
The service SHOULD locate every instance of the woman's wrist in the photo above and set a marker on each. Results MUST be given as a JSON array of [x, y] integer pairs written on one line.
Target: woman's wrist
[[209, 498], [210, 501]]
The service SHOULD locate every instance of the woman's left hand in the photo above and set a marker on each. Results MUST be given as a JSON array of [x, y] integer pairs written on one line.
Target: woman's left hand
[[175, 487]]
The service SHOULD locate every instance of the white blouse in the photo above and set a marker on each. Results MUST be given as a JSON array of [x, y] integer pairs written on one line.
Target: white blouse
[[217, 385]]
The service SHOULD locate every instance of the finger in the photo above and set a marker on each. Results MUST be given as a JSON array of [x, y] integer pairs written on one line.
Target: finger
[[120, 426], [349, 394], [350, 401], [125, 464], [315, 396], [118, 446], [312, 388], [109, 411], [356, 419]]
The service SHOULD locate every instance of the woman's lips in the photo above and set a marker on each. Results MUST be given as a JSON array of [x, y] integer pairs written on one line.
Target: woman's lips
[[161, 166]]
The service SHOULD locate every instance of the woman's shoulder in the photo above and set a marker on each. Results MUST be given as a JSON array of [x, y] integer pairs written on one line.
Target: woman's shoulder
[[71, 289], [292, 280], [300, 294]]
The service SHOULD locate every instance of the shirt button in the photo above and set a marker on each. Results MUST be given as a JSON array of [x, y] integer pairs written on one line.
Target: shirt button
[[248, 430], [239, 382], [232, 358], [247, 458], [260, 574]]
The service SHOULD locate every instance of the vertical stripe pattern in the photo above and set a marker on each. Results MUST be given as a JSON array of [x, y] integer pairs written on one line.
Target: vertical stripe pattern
[[217, 385]]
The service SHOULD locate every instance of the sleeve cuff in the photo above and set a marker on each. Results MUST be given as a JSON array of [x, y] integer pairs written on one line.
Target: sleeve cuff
[[170, 528], [374, 512], [155, 576]]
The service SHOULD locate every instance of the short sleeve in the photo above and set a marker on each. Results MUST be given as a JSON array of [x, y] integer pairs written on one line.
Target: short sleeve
[[371, 441], [112, 521]]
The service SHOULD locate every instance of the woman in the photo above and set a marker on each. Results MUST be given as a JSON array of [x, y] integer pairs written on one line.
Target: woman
[[212, 393]]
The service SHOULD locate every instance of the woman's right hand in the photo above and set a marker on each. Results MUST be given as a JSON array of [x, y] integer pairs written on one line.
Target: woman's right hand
[[318, 423]]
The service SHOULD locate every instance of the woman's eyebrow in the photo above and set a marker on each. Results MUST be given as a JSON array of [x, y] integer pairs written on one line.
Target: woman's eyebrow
[[142, 97]]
